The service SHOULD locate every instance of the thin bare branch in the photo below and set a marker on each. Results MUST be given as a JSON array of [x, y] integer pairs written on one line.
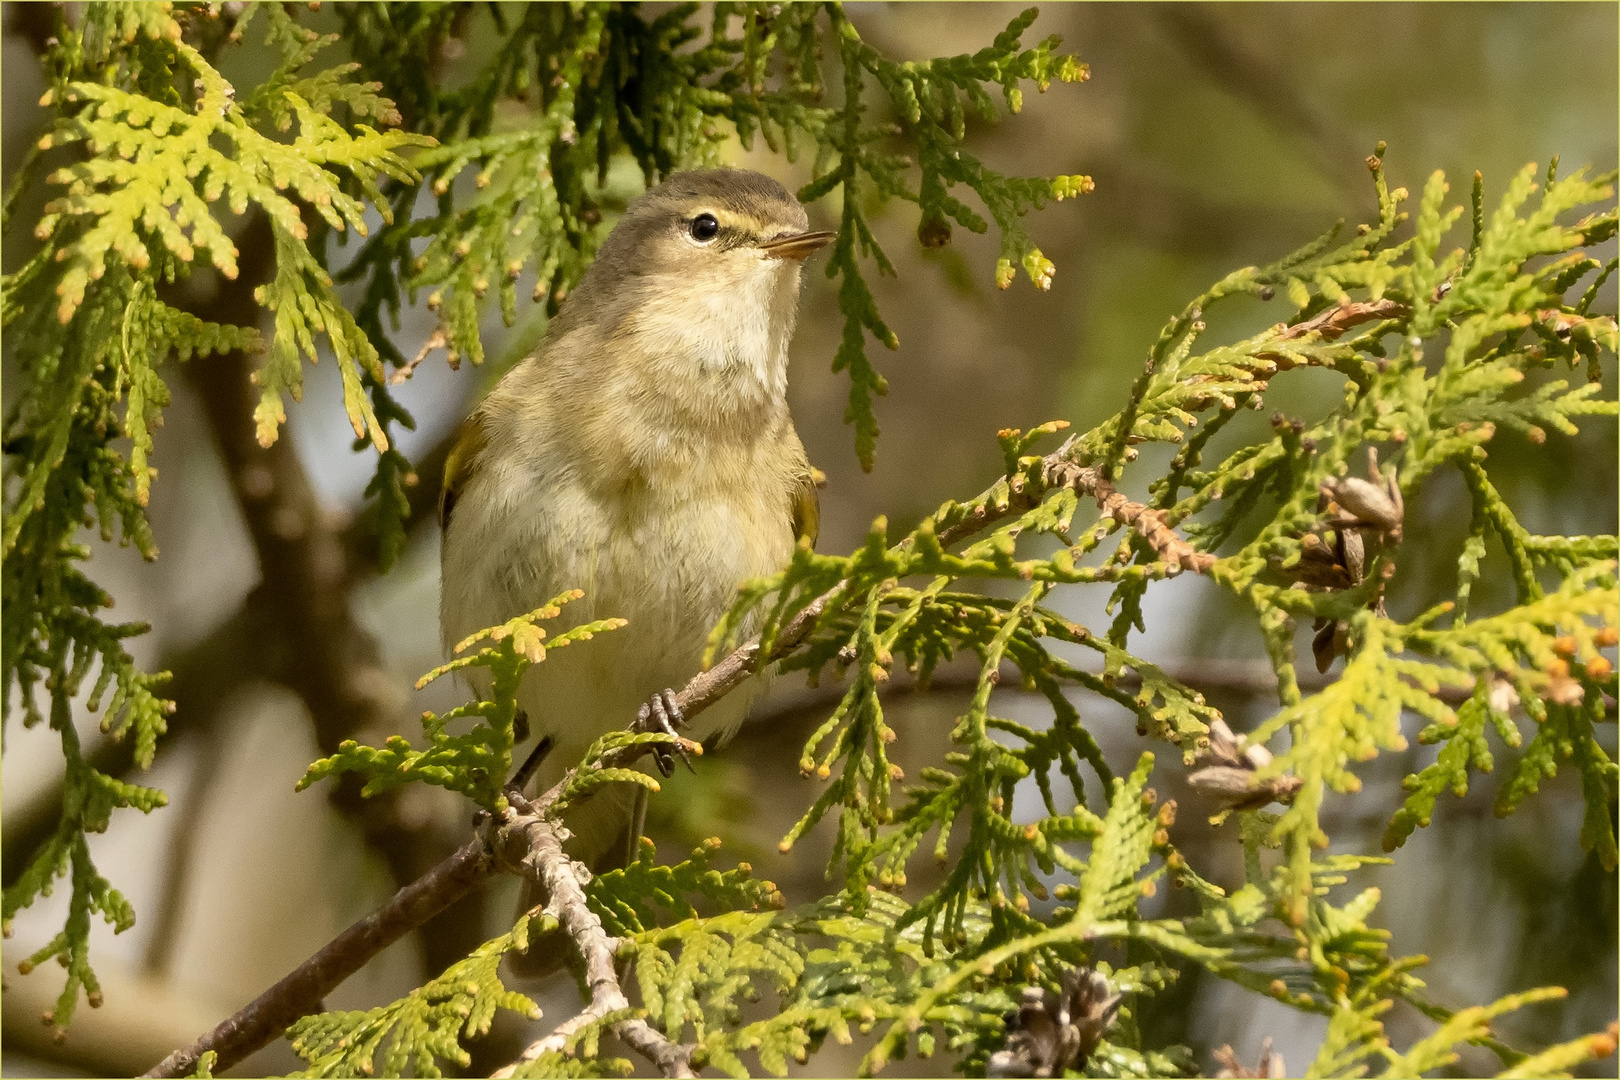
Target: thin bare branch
[[301, 991], [290, 999], [1175, 551], [435, 340], [1334, 321], [535, 850]]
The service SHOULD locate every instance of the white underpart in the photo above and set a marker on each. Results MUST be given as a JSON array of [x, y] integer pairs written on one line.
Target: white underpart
[[740, 343]]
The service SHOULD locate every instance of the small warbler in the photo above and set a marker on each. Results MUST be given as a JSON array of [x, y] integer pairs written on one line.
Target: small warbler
[[645, 455]]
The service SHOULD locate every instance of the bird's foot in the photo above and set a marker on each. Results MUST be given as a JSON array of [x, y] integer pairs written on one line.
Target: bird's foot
[[531, 765], [663, 714]]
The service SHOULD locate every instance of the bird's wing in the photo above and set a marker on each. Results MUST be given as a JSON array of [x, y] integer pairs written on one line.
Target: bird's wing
[[807, 505], [458, 467]]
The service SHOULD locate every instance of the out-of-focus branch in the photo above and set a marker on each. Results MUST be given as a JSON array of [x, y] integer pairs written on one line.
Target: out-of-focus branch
[[301, 991], [190, 815], [361, 540], [314, 645], [535, 848], [449, 938], [1242, 678], [251, 645], [295, 627], [243, 648], [323, 653], [1254, 77], [142, 1018], [35, 23], [337, 671]]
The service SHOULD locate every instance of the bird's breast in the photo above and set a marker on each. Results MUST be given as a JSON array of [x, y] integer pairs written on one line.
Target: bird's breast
[[662, 543]]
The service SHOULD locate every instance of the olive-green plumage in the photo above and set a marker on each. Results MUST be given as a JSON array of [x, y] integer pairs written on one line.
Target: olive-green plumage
[[645, 455]]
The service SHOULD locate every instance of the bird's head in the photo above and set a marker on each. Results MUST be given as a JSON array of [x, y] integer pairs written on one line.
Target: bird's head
[[704, 270]]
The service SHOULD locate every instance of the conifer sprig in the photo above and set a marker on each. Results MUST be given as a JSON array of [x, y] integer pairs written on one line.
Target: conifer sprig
[[154, 149], [565, 96], [1367, 310], [1443, 328], [422, 1029], [478, 761]]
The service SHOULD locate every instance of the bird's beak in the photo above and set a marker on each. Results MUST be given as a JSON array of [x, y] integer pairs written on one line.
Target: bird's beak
[[797, 245]]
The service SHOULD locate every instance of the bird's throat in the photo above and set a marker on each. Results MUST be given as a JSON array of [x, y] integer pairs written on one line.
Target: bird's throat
[[717, 353]]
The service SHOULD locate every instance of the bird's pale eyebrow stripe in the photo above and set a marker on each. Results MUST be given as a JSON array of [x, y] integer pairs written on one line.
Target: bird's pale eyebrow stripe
[[737, 228]]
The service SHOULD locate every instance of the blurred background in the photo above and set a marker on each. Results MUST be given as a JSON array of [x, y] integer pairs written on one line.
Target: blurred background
[[1218, 136]]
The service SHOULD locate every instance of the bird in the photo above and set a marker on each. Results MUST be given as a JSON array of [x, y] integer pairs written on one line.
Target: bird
[[644, 454]]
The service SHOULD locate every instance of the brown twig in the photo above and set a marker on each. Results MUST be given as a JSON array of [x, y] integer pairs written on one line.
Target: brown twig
[[435, 340], [1147, 522], [1332, 323], [530, 845], [301, 991], [1252, 75], [284, 1001], [339, 674], [1336, 320], [320, 650], [536, 852]]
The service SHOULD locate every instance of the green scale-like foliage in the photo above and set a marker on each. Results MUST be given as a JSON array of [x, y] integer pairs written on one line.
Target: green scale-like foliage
[[157, 150], [704, 943], [569, 91], [477, 761], [153, 153], [1507, 305], [530, 151], [422, 1029]]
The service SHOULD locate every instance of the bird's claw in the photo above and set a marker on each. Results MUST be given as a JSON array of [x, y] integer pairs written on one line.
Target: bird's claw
[[663, 714]]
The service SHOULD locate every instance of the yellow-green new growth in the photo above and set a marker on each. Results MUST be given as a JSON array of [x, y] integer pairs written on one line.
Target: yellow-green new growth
[[154, 171], [478, 761], [425, 1027]]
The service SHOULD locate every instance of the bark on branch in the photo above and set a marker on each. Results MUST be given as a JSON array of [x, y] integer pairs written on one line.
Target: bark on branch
[[1332, 322], [316, 646], [523, 841], [300, 992], [535, 850]]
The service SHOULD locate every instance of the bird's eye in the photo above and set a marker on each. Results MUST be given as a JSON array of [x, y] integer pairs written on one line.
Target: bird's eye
[[705, 228]]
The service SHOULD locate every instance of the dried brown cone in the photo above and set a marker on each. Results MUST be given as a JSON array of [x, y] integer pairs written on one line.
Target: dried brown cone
[[1270, 1065], [1352, 508], [1230, 770], [1055, 1032]]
